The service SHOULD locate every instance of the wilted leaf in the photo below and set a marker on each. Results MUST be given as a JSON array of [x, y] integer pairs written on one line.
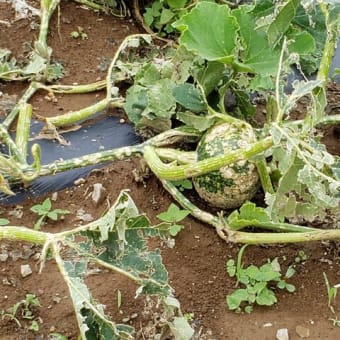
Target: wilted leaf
[[189, 97], [199, 122]]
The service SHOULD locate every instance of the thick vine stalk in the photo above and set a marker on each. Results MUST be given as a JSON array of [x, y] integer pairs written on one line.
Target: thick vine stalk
[[178, 172], [23, 129], [76, 116], [291, 234]]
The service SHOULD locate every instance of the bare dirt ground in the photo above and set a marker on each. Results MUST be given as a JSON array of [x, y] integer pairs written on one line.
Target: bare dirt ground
[[196, 264]]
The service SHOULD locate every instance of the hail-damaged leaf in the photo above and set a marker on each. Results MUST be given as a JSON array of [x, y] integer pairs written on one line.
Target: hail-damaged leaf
[[317, 187], [123, 246], [301, 88], [161, 102], [210, 31], [90, 314]]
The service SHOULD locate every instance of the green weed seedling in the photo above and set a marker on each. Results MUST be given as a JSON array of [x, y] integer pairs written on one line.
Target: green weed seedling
[[44, 210], [331, 292], [301, 257], [189, 316], [335, 321], [258, 282], [26, 308], [174, 215], [79, 33]]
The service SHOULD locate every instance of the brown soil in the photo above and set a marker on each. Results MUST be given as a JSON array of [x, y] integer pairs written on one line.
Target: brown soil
[[196, 264]]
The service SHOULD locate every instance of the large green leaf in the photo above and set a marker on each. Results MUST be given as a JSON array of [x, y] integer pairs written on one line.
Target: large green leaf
[[209, 30], [257, 53]]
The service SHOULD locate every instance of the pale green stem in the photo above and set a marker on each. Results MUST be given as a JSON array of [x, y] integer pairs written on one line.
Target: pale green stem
[[319, 94], [92, 159], [23, 129], [70, 118], [220, 222], [47, 8], [185, 203], [263, 238], [109, 78], [325, 120], [226, 233], [31, 172], [178, 172], [182, 157], [15, 233], [275, 226], [7, 75], [32, 88], [280, 112], [329, 47], [226, 118], [262, 170], [239, 262], [69, 89], [14, 151], [98, 7]]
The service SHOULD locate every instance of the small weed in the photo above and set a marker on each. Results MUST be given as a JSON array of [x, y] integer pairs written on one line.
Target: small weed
[[173, 215], [258, 282], [44, 211], [335, 321], [79, 33], [34, 326], [301, 257], [26, 309], [189, 316], [331, 293]]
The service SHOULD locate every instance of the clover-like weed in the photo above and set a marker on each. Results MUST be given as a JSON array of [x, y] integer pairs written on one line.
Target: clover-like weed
[[258, 282]]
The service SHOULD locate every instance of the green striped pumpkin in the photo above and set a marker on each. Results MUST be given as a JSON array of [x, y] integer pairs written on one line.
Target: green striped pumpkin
[[230, 186]]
